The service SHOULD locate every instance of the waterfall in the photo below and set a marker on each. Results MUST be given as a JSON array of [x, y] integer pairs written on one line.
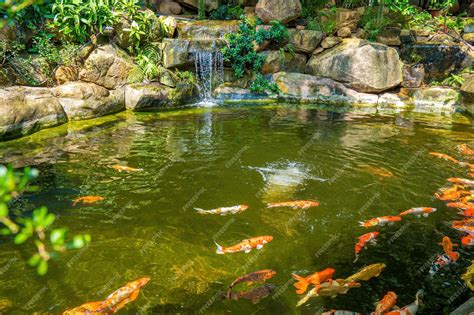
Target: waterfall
[[209, 73]]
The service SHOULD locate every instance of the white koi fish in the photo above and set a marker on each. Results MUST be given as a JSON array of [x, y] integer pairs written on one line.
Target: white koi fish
[[223, 210]]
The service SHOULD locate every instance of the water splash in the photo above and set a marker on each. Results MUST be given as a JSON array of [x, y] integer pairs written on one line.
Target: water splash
[[209, 73]]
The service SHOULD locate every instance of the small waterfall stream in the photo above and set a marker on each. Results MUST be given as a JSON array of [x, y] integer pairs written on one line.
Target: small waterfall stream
[[209, 73]]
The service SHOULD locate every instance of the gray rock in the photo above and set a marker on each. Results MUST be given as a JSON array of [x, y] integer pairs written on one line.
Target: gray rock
[[175, 53], [283, 11], [170, 8], [107, 66], [465, 309], [413, 75], [305, 41], [206, 29], [390, 37], [83, 100], [24, 110], [277, 61], [364, 66]]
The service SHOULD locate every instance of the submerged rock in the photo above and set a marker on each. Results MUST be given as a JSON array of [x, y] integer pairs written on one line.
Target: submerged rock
[[362, 65], [283, 11], [305, 41], [107, 66], [143, 97], [277, 61], [24, 110], [83, 100], [433, 99]]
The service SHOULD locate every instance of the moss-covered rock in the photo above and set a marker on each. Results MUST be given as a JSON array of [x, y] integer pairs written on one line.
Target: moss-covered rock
[[24, 110], [175, 53], [305, 41], [277, 61], [206, 29], [154, 96]]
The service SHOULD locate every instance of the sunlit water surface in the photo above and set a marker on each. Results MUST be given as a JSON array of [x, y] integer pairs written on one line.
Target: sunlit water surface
[[215, 157]]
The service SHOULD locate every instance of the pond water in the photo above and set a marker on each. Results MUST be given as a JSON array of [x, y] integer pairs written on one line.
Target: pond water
[[357, 166]]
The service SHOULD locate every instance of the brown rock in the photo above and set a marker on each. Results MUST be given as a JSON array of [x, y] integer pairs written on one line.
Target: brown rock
[[305, 41], [277, 61], [330, 42], [344, 32], [413, 75], [173, 8], [283, 11]]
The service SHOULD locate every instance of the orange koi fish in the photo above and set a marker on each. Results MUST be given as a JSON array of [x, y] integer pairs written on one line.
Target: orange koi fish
[[467, 240], [461, 205], [445, 157], [223, 210], [363, 241], [87, 200], [114, 302], [464, 228], [418, 211], [467, 213], [246, 245], [257, 276], [386, 303], [335, 312], [122, 168], [316, 279], [301, 204], [380, 221], [410, 309], [454, 195], [448, 248], [464, 149], [469, 222], [462, 181]]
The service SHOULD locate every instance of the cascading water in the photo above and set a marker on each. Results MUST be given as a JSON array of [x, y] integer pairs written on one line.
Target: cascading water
[[209, 73]]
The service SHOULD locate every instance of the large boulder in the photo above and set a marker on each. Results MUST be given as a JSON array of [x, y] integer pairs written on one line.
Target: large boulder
[[210, 5], [467, 92], [304, 87], [154, 96], [277, 61], [83, 100], [24, 110], [206, 29], [305, 41], [175, 53], [170, 8], [283, 11], [107, 66], [364, 66]]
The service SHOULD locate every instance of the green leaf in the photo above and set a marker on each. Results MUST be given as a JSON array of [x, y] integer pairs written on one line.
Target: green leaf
[[34, 260], [20, 238], [57, 236], [42, 267], [3, 210], [78, 241], [5, 231]]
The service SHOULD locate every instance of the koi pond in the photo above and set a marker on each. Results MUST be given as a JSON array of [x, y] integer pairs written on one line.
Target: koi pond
[[357, 166]]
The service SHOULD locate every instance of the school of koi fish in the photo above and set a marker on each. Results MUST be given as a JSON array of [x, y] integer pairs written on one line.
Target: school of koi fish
[[458, 194]]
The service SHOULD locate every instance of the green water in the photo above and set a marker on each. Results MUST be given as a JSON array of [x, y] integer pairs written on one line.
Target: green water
[[209, 158]]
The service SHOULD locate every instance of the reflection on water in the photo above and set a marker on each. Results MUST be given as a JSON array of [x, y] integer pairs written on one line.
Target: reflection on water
[[356, 166]]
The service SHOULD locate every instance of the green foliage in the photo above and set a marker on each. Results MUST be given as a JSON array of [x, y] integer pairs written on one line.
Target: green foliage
[[277, 34], [311, 8], [201, 9], [9, 9], [351, 4], [454, 80], [34, 227], [185, 77], [374, 22], [441, 4], [147, 60], [324, 21], [226, 12], [241, 54], [77, 20], [261, 85]]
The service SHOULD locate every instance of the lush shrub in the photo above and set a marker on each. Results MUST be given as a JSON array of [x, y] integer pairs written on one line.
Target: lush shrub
[[226, 12]]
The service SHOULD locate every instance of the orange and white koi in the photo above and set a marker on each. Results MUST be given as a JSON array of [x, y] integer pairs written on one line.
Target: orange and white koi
[[316, 279], [363, 241], [223, 210], [467, 213], [464, 149], [380, 221], [445, 157], [246, 245], [464, 228], [87, 200], [114, 302], [460, 205], [386, 303], [462, 181], [468, 222], [419, 211], [467, 240], [410, 309], [452, 195], [299, 204], [123, 168]]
